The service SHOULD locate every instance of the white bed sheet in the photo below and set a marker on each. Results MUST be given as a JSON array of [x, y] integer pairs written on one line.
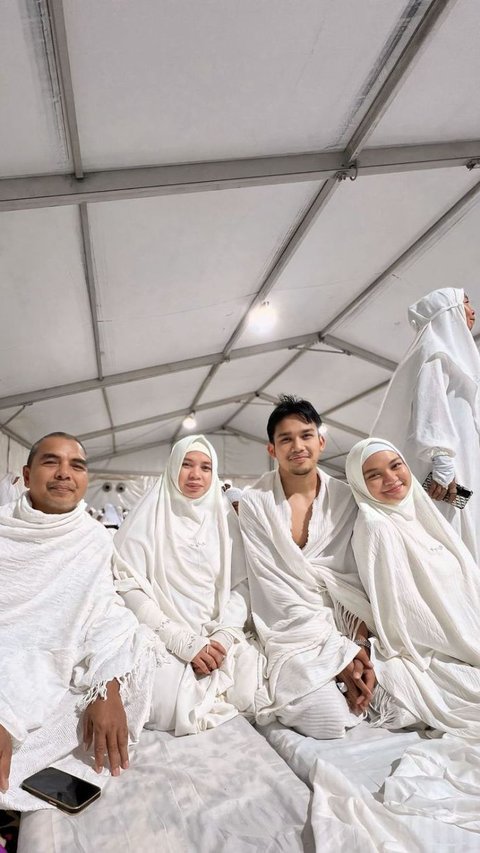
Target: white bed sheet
[[349, 777], [365, 755], [223, 791]]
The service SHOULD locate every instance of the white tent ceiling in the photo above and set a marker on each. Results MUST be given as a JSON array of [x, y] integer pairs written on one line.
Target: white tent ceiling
[[168, 164]]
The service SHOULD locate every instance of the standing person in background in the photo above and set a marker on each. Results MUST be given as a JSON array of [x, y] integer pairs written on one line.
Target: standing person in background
[[431, 410], [11, 487]]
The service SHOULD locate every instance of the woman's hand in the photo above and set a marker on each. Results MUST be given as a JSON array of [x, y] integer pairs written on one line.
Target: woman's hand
[[437, 492], [209, 658]]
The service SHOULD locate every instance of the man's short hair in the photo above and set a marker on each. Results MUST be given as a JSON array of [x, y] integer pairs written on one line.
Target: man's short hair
[[34, 447], [289, 406]]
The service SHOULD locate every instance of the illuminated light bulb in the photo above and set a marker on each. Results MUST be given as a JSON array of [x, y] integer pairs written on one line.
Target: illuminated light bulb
[[262, 318], [190, 422]]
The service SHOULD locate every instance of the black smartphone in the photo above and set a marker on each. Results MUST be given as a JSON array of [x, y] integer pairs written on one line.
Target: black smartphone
[[463, 494], [60, 789]]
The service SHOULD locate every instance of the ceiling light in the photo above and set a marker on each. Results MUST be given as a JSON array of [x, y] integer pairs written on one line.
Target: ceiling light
[[190, 422], [263, 317]]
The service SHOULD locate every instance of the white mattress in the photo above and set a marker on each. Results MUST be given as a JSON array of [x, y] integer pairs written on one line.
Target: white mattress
[[223, 791]]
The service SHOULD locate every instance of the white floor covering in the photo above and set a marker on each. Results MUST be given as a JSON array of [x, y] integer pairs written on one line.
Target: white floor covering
[[223, 791]]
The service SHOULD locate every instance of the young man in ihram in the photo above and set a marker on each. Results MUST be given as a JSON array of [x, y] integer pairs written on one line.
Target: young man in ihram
[[297, 524]]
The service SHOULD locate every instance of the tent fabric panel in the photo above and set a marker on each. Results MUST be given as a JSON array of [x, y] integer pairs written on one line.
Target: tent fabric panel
[[193, 262], [75, 414], [339, 257], [439, 99], [136, 400], [217, 80], [327, 378], [361, 414], [245, 375], [46, 333]]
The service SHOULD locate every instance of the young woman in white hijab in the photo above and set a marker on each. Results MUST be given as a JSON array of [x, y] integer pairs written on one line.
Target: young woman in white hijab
[[180, 567], [431, 410], [424, 590]]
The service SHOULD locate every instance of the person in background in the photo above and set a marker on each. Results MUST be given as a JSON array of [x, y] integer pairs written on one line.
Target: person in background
[[431, 410], [11, 487]]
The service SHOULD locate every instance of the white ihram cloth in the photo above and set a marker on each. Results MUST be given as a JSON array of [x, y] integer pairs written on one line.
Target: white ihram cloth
[[301, 597], [180, 566], [432, 404], [64, 634], [424, 590]]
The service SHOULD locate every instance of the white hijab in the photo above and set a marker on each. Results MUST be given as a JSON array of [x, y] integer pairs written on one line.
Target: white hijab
[[424, 589], [183, 544], [442, 333]]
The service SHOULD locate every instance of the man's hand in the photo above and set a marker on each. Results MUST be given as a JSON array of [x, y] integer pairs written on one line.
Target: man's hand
[[359, 679], [5, 758], [209, 658], [438, 492], [105, 722]]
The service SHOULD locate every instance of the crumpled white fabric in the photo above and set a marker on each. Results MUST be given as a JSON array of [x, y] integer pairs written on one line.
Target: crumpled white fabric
[[180, 565], [432, 401], [424, 589], [443, 469], [64, 634], [425, 807], [293, 590]]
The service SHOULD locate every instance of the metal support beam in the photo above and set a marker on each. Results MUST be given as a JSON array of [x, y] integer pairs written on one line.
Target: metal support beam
[[359, 352], [443, 224], [18, 438], [424, 30], [148, 181], [90, 283], [59, 38], [85, 385], [379, 387], [165, 416]]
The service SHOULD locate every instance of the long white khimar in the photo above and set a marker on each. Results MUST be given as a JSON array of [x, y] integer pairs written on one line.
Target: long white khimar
[[64, 634], [293, 590], [180, 566], [424, 590], [432, 403]]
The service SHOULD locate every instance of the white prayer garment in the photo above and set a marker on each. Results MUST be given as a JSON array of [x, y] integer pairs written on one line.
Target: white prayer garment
[[292, 593], [431, 410], [180, 566], [424, 590], [64, 634], [11, 487]]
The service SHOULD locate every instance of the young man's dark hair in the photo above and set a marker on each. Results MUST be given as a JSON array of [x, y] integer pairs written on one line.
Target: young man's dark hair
[[290, 405], [34, 448]]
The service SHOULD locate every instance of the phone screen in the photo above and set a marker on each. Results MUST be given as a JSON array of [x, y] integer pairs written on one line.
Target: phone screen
[[61, 788]]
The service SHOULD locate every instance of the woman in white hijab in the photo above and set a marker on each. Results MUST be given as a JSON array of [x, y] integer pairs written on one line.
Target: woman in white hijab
[[180, 567], [424, 590], [431, 410]]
